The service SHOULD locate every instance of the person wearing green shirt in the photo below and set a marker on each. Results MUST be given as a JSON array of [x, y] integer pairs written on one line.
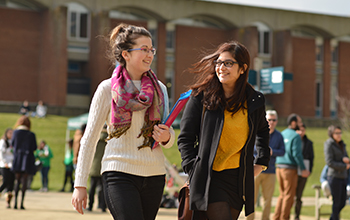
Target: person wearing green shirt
[[68, 162], [44, 154]]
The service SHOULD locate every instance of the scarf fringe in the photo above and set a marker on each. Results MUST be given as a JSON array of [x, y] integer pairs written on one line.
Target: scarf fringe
[[117, 132], [146, 132]]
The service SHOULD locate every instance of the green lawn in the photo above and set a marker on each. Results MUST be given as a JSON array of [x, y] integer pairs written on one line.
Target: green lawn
[[53, 130]]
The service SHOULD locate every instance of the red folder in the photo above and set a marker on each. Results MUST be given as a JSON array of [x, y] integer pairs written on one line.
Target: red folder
[[180, 103]]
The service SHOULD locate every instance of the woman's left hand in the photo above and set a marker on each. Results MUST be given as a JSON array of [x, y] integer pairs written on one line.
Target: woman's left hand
[[161, 133], [257, 169]]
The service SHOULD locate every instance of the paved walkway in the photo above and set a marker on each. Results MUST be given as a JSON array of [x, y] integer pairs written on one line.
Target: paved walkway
[[57, 206]]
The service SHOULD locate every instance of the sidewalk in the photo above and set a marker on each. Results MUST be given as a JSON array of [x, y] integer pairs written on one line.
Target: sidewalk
[[57, 206]]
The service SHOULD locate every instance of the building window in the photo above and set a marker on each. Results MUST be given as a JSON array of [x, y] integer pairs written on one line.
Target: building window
[[333, 95], [334, 54], [264, 42], [264, 38], [319, 95], [319, 53], [170, 40], [78, 22]]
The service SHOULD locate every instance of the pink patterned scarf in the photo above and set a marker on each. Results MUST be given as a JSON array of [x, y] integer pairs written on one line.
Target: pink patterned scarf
[[126, 99]]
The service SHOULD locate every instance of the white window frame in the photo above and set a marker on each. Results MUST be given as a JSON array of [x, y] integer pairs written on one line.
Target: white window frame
[[262, 29], [79, 10]]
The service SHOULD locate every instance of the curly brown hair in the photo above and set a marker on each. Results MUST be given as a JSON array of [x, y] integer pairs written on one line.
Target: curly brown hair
[[123, 38]]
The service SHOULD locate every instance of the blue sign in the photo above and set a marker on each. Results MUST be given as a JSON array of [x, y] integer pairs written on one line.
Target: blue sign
[[271, 80]]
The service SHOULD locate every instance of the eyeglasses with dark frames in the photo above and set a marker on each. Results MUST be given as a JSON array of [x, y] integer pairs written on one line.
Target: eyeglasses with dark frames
[[227, 63], [145, 50]]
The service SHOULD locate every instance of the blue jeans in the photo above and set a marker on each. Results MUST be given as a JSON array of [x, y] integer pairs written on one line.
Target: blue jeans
[[44, 176], [132, 197], [338, 191]]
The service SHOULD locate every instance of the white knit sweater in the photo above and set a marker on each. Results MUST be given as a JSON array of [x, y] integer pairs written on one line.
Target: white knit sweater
[[121, 154]]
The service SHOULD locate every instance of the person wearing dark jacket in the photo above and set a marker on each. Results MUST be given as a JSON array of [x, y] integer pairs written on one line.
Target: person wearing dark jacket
[[222, 121], [24, 145], [308, 155], [338, 165]]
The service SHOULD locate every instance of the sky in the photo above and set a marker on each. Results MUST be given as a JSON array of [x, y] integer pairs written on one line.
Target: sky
[[329, 7]]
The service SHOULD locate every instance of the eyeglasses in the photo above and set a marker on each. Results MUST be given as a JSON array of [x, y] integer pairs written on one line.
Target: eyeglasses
[[337, 133], [272, 120], [145, 50], [227, 63]]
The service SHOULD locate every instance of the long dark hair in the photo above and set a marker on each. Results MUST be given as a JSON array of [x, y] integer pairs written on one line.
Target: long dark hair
[[4, 137], [208, 83]]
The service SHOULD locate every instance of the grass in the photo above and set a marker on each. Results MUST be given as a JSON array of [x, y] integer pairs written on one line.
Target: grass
[[53, 130]]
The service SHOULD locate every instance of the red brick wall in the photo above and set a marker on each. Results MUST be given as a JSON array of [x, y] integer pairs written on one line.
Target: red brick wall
[[190, 42], [344, 70], [282, 55], [304, 77], [161, 55], [20, 43], [52, 80], [98, 66], [33, 55]]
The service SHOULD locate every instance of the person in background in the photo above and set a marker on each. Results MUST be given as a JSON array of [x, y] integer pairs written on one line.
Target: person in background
[[226, 117], [287, 168], [133, 103], [308, 155], [24, 109], [95, 174], [6, 159], [324, 182], [68, 162], [338, 164], [41, 110], [76, 143], [266, 179], [24, 144], [44, 154]]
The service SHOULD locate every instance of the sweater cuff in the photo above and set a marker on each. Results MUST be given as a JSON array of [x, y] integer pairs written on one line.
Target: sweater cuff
[[171, 140]]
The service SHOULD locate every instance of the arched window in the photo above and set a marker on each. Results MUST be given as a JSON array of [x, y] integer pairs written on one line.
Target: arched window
[[78, 22], [265, 38]]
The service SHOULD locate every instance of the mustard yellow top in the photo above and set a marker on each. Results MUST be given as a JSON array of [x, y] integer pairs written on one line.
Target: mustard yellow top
[[233, 138]]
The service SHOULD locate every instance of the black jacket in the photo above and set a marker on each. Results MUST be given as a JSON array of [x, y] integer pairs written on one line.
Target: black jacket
[[334, 159], [308, 151], [198, 160], [24, 145]]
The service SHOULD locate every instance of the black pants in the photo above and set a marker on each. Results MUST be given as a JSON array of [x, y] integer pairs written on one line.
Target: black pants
[[8, 180], [338, 190], [298, 195], [96, 183], [68, 175], [133, 197]]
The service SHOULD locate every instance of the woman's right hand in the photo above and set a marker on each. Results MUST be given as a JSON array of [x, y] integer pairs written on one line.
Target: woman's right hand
[[346, 160], [79, 199]]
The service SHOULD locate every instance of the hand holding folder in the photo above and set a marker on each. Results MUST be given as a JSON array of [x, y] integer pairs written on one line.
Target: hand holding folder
[[180, 103]]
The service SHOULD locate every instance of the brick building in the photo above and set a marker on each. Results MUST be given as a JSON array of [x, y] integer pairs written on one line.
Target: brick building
[[54, 50]]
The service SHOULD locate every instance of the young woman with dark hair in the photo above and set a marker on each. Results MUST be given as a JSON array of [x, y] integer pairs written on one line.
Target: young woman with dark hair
[[338, 163], [220, 124]]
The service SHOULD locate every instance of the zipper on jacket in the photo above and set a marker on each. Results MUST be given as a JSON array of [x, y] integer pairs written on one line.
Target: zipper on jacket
[[245, 158]]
